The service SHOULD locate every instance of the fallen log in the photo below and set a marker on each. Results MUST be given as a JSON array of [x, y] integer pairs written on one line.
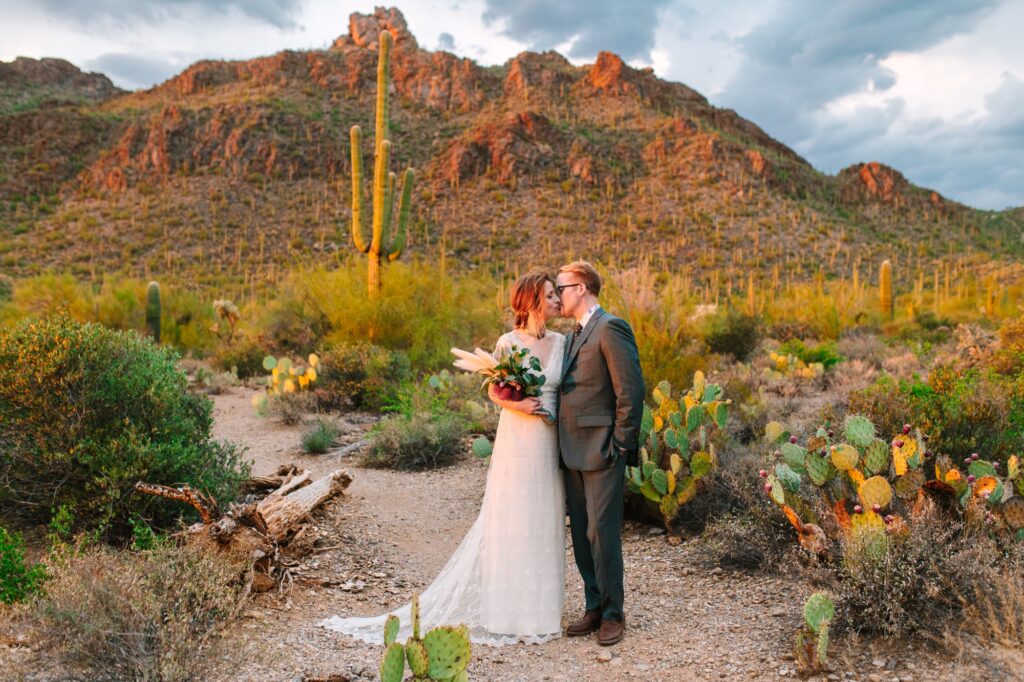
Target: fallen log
[[290, 504]]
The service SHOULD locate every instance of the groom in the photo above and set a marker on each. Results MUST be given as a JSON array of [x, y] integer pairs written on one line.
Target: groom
[[601, 403]]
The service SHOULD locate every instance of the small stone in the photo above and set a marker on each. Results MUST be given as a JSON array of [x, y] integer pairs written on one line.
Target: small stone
[[878, 662], [604, 657]]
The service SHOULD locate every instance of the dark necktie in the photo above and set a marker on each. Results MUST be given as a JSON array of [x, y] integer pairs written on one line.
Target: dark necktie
[[575, 335]]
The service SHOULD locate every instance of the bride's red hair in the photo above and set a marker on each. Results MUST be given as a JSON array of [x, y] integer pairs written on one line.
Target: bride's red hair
[[528, 295]]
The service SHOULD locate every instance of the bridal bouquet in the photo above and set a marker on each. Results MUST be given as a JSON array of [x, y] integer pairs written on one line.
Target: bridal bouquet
[[515, 376]]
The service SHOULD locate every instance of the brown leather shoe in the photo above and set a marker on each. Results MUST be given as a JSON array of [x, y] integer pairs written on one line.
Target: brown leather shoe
[[590, 622], [611, 632]]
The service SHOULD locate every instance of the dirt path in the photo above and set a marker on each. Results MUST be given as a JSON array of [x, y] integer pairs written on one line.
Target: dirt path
[[391, 533]]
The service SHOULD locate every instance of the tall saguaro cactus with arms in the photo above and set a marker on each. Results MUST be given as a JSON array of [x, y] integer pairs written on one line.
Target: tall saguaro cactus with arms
[[388, 231]]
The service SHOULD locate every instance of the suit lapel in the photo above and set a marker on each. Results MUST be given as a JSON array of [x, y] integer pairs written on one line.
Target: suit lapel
[[584, 335]]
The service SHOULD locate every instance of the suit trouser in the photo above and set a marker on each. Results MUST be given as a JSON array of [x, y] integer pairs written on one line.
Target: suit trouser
[[594, 500]]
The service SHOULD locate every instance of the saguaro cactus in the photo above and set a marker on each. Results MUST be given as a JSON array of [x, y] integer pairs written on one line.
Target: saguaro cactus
[[885, 289], [382, 243], [153, 311]]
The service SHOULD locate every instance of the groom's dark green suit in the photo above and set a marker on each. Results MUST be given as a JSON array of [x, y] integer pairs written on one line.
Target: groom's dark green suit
[[601, 403]]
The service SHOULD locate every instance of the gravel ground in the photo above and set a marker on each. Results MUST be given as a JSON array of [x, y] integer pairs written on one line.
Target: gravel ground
[[390, 534]]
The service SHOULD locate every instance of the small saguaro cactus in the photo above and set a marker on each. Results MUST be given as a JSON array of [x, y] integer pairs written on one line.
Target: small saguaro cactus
[[153, 311], [388, 231], [885, 290]]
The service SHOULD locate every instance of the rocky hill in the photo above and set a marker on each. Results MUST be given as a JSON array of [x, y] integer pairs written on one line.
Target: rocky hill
[[230, 171]]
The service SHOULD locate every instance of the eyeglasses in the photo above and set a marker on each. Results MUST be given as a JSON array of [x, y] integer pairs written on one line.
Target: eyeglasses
[[562, 287]]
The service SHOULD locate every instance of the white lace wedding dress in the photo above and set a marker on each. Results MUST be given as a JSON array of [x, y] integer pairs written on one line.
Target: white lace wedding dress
[[506, 580]]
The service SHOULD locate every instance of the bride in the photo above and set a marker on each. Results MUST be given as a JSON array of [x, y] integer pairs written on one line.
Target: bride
[[506, 580]]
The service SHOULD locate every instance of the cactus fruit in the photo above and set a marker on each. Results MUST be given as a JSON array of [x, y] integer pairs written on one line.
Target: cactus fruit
[[876, 457], [885, 290], [153, 311], [859, 431], [845, 457], [382, 244], [875, 492]]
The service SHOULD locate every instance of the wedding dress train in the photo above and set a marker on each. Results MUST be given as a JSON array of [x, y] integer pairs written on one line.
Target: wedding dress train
[[506, 580]]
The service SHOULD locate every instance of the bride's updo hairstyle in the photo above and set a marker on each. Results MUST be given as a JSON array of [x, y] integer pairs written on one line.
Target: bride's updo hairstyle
[[528, 295]]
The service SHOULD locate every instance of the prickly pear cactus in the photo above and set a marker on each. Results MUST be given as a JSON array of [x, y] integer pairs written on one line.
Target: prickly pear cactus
[[819, 468], [811, 650], [876, 457], [859, 431], [448, 650], [677, 432], [392, 668], [875, 492], [845, 457], [419, 659]]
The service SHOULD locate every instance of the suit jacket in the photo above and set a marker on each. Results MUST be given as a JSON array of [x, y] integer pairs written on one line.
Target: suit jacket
[[601, 399]]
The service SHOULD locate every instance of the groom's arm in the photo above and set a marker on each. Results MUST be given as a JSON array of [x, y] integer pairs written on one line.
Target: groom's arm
[[623, 359]]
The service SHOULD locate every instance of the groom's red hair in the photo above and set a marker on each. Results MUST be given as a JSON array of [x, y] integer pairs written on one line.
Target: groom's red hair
[[528, 294], [586, 273]]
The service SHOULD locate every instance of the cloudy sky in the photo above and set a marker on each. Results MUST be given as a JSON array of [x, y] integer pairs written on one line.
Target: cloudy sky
[[934, 88]]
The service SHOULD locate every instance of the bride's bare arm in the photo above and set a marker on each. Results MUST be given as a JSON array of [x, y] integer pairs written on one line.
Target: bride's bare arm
[[526, 406]]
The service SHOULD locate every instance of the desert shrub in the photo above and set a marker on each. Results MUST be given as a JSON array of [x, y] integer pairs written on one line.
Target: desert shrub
[[443, 394], [243, 356], [138, 615], [825, 353], [742, 528], [85, 412], [286, 408], [732, 332], [361, 376], [657, 305], [319, 437], [421, 441], [6, 288], [1009, 356], [420, 310], [963, 412], [18, 580], [913, 583]]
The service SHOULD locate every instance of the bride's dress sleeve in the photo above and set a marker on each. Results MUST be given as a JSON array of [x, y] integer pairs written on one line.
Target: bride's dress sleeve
[[503, 346]]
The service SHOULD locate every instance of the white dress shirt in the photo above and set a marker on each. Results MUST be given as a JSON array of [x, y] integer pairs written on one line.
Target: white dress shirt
[[589, 314]]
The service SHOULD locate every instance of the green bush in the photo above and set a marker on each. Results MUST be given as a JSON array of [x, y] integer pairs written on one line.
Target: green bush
[[244, 355], [319, 438], [731, 332], [825, 353], [422, 441], [420, 311], [18, 581], [85, 412], [963, 412], [362, 377]]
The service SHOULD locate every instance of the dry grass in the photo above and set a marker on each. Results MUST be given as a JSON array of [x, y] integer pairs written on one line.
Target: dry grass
[[135, 615]]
